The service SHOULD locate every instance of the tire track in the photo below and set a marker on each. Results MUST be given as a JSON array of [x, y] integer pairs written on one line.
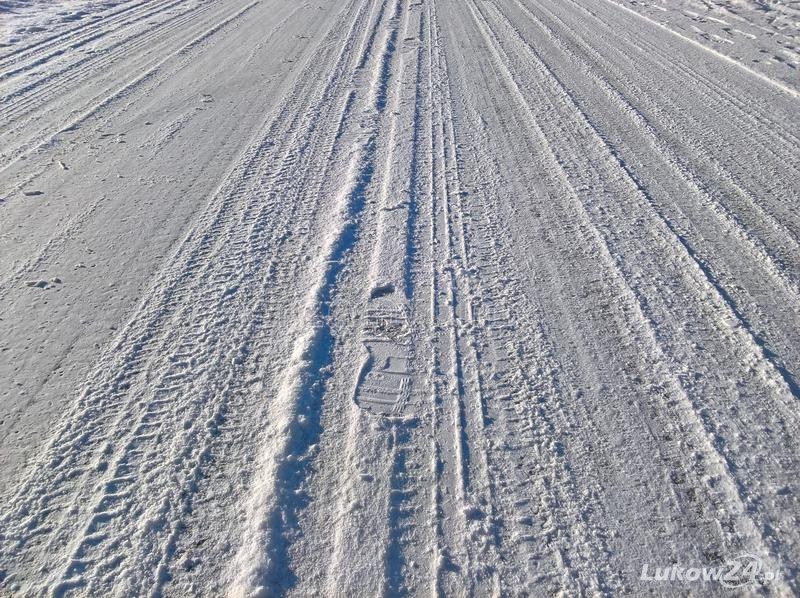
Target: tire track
[[34, 95], [719, 55], [384, 451], [646, 314], [763, 133], [34, 61], [730, 267], [473, 311], [105, 23], [767, 252], [198, 247], [257, 566], [43, 138]]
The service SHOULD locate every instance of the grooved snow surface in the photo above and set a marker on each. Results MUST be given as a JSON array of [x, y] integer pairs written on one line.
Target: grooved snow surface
[[398, 297]]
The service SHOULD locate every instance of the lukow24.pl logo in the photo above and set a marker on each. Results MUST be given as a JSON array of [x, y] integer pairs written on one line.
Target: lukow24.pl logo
[[739, 572]]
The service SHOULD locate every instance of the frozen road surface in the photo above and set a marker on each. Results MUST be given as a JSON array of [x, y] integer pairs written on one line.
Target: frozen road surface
[[399, 297]]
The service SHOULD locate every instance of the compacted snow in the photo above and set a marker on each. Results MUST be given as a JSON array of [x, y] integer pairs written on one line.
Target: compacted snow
[[399, 297]]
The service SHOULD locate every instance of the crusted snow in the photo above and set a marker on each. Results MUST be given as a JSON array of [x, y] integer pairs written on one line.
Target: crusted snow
[[398, 297]]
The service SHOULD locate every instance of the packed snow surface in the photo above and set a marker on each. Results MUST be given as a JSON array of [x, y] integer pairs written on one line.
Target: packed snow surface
[[399, 297]]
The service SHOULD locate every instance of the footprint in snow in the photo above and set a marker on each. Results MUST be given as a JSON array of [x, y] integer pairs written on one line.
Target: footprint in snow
[[383, 383]]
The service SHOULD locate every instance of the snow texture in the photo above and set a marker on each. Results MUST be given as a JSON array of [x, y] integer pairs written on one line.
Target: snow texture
[[398, 297]]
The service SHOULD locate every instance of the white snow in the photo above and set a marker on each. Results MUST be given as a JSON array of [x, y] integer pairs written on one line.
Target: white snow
[[386, 297]]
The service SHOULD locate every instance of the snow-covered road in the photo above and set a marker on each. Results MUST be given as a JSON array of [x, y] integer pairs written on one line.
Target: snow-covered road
[[398, 297]]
